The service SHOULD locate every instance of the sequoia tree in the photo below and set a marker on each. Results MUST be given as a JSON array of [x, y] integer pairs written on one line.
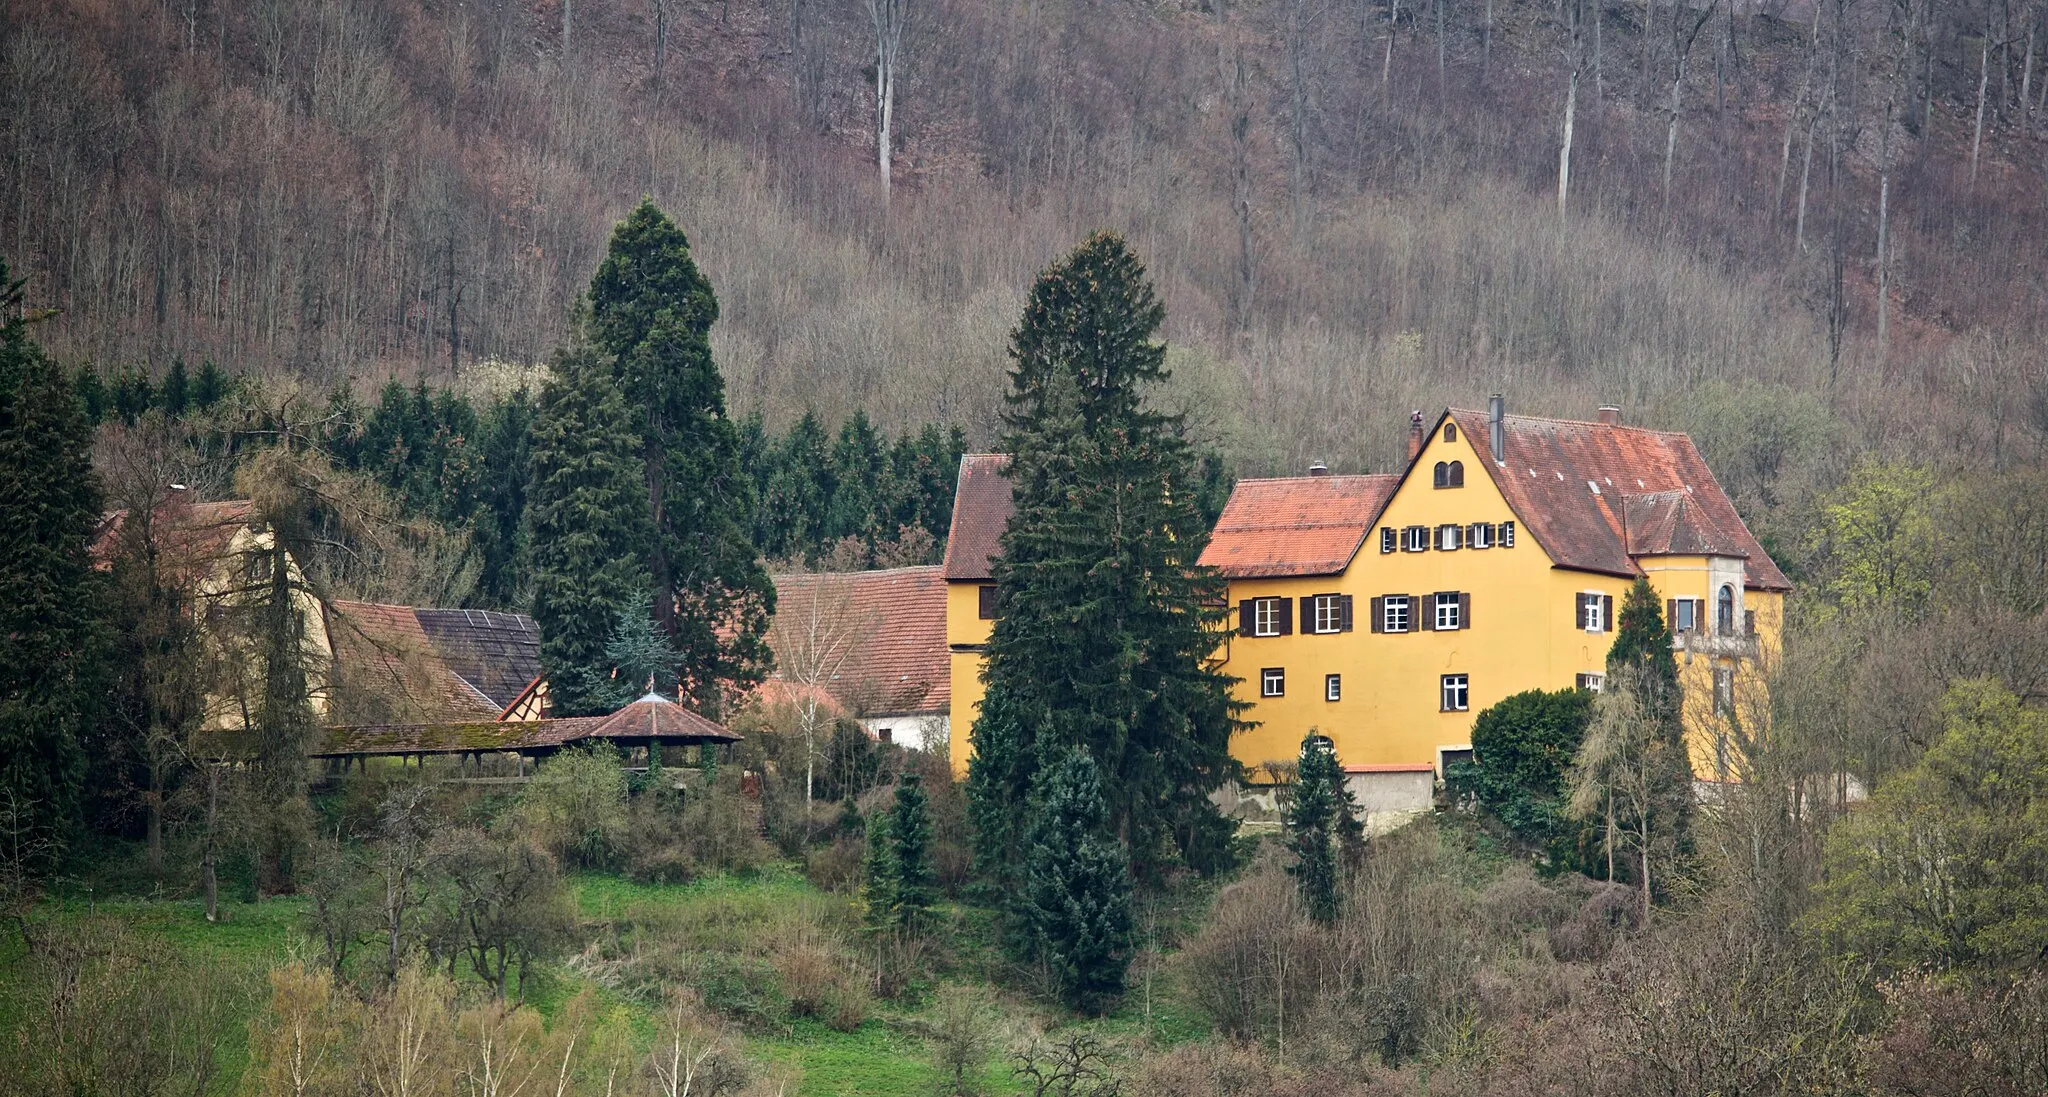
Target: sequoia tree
[[51, 669], [1105, 623], [586, 514], [651, 312]]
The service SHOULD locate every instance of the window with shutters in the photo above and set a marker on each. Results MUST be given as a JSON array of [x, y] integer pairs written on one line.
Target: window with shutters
[[1685, 614], [1389, 539], [1327, 613], [1273, 682], [1595, 611], [1456, 693], [1394, 613], [1450, 611], [1479, 535], [1504, 535], [1591, 683], [1450, 432], [1333, 687], [1268, 616], [1449, 538], [988, 603], [1415, 539]]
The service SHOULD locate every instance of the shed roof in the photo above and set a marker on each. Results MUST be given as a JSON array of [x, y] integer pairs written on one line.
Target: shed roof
[[1296, 525], [982, 505], [1570, 483], [433, 664]]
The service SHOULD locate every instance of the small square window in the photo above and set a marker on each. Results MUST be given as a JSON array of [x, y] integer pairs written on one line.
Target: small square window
[[1457, 693], [1479, 535], [1591, 683], [1449, 615], [1333, 687], [1685, 614], [1394, 611], [1273, 682], [1415, 539], [886, 735], [1388, 537]]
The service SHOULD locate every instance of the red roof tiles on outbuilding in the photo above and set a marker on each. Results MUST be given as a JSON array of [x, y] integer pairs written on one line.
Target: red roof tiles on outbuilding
[[982, 505], [896, 659], [1296, 525]]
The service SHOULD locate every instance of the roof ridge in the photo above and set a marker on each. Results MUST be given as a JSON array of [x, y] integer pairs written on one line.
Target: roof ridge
[[1574, 422], [900, 569]]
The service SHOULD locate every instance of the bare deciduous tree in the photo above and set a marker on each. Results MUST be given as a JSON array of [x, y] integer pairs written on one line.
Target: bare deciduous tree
[[888, 18]]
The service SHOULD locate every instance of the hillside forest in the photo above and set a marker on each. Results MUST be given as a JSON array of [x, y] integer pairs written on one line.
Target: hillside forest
[[605, 310]]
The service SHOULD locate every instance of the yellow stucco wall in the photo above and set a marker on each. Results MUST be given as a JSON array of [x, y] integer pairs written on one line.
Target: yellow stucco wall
[[964, 626], [1524, 635]]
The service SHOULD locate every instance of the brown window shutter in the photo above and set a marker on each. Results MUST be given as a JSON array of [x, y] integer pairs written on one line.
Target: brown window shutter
[[1671, 614], [1377, 610], [1749, 622], [1344, 613], [1244, 617], [1464, 610], [1308, 614], [1285, 614], [1579, 611], [1424, 611], [987, 607], [1607, 613]]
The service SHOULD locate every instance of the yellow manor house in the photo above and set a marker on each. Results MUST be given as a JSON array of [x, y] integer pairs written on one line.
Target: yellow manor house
[[1386, 611]]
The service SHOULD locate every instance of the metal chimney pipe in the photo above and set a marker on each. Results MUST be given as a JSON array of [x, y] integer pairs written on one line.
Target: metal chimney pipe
[[1496, 439]]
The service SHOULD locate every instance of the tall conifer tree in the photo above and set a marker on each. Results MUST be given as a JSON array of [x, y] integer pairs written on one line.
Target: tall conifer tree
[[1313, 819], [651, 312], [51, 669], [1077, 887], [1105, 624], [1642, 641], [587, 526]]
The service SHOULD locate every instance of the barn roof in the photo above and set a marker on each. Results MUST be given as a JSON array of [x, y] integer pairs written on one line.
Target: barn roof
[[884, 635], [1296, 525]]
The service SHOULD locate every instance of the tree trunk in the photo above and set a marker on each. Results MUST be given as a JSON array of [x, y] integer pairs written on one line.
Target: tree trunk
[[211, 885], [1486, 45], [1884, 194], [1393, 26], [1564, 150], [1645, 861], [1805, 175], [568, 18], [1983, 84]]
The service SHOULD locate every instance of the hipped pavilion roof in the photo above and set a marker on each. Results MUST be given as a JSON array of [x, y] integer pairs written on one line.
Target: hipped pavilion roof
[[651, 719]]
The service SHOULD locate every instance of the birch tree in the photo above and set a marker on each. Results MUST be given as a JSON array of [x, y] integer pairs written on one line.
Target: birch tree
[[1575, 63], [888, 18], [815, 633]]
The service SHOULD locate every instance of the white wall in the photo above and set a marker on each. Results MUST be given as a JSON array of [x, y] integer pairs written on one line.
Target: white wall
[[916, 731]]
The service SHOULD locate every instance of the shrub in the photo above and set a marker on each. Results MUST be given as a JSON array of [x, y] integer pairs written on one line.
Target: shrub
[[576, 805], [962, 1035], [1607, 915]]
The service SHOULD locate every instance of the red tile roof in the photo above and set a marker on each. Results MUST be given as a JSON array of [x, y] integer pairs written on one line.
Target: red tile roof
[[1296, 525], [385, 664], [982, 506], [1571, 482], [1670, 523], [893, 658], [657, 717], [192, 536]]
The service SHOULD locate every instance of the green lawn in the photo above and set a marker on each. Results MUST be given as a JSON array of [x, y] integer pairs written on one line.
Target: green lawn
[[886, 1054]]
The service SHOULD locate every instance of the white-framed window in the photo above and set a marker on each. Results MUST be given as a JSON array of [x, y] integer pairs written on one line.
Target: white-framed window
[[1273, 682], [1685, 614], [1592, 683], [1266, 616], [1415, 539], [1449, 538], [1504, 535], [1327, 613], [1450, 616], [1456, 693], [1479, 535], [1594, 610], [1724, 612], [1395, 614], [1333, 687], [1389, 539]]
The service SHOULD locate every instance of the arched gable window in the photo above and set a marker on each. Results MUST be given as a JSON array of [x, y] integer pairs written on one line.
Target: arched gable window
[[1443, 472], [1450, 432], [1724, 613], [1455, 476]]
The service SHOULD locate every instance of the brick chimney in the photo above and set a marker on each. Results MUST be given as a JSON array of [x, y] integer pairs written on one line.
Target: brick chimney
[[1414, 434], [1610, 415]]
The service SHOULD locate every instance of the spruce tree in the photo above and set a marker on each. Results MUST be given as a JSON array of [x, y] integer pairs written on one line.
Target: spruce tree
[[1106, 625], [51, 667], [910, 832], [651, 312], [640, 657], [1077, 887], [587, 526], [1312, 819]]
